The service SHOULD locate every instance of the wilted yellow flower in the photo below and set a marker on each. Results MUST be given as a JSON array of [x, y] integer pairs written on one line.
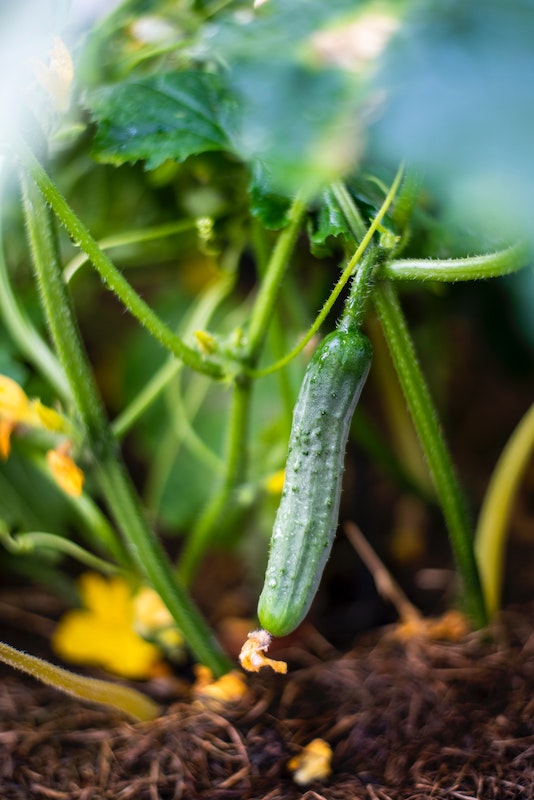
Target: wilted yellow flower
[[17, 409], [451, 626], [216, 693], [312, 764], [65, 472], [252, 655], [102, 633]]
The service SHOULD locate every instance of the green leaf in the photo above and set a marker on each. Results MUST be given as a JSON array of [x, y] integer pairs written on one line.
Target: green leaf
[[266, 204], [331, 226], [298, 106], [171, 116]]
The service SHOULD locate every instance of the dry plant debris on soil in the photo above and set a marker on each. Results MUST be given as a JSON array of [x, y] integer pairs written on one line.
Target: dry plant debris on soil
[[405, 720]]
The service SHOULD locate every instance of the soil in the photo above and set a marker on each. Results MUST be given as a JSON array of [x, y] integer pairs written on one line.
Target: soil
[[406, 720]]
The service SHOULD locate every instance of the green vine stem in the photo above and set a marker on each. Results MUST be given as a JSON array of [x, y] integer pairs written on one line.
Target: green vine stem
[[428, 428], [210, 300], [270, 286], [495, 512], [109, 273], [131, 702], [29, 542], [127, 238], [22, 331], [235, 458], [235, 463], [491, 265], [111, 474]]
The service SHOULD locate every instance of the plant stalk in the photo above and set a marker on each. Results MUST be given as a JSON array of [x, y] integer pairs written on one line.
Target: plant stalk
[[437, 455], [129, 701], [490, 265], [110, 274], [113, 479]]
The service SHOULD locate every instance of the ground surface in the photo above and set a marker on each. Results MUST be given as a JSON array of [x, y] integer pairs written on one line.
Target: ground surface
[[405, 720]]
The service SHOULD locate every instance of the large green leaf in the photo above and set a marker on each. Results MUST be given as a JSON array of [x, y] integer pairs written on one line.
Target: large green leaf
[[298, 110], [171, 116]]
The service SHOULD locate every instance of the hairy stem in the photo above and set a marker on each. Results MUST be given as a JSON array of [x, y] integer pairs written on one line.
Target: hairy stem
[[112, 477], [490, 265], [436, 452], [129, 701], [340, 285], [110, 274]]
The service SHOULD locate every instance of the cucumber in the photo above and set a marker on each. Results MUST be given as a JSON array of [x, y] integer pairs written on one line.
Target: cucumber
[[307, 517]]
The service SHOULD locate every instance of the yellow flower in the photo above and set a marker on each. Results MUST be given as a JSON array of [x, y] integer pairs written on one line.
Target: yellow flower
[[102, 633], [275, 482], [312, 764], [14, 410], [215, 694], [17, 409], [66, 474], [153, 621]]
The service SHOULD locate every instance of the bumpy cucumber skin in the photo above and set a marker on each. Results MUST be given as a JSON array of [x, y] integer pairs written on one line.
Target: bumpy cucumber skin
[[307, 517]]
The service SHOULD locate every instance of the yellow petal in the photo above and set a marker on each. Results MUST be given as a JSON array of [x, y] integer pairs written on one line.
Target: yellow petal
[[313, 763], [206, 342], [216, 693], [150, 612], [102, 633], [14, 404], [153, 621], [252, 655], [107, 598], [275, 482], [84, 638], [65, 472], [46, 417], [6, 429]]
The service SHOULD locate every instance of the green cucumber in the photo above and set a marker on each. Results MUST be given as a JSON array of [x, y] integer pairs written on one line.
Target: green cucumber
[[307, 517]]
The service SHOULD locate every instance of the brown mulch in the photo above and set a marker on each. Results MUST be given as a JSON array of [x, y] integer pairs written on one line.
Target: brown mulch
[[406, 721]]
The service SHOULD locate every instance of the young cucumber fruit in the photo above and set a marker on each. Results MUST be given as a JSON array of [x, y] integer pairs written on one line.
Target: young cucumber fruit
[[307, 517]]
